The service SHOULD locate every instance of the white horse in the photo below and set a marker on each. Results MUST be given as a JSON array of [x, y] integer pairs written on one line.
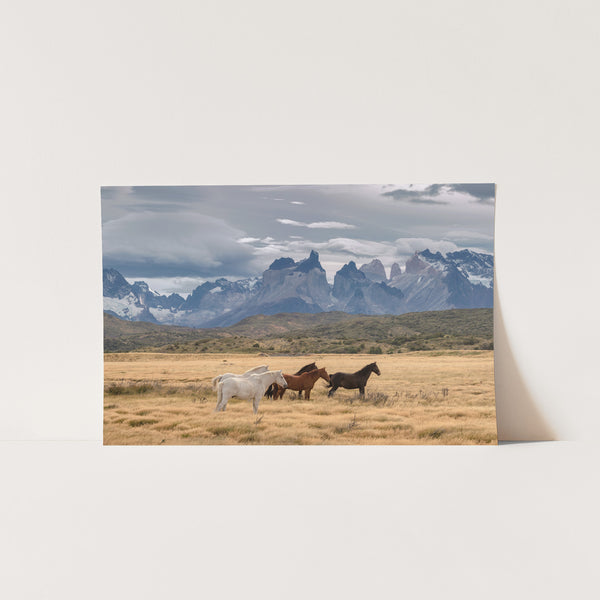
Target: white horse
[[252, 387], [254, 370]]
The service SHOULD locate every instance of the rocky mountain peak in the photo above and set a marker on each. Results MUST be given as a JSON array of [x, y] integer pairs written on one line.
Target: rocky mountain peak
[[415, 265], [310, 263], [375, 271], [114, 284], [350, 270], [428, 254], [140, 287], [347, 280], [282, 263]]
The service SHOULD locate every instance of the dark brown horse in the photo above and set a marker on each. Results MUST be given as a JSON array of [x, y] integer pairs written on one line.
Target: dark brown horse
[[351, 381], [301, 383], [304, 369]]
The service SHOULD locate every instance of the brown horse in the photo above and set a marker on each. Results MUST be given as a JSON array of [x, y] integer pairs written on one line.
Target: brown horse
[[301, 383], [304, 369]]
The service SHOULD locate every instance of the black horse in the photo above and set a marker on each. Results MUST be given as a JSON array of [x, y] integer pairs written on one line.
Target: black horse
[[351, 381], [304, 369]]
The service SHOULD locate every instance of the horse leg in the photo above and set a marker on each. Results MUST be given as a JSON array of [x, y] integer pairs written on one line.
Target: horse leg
[[222, 402], [335, 387], [255, 403], [219, 398], [307, 394], [361, 390]]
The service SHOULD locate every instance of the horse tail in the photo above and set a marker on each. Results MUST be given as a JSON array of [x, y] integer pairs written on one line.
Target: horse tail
[[215, 381]]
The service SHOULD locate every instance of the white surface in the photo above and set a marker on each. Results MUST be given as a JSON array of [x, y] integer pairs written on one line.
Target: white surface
[[82, 521], [120, 93]]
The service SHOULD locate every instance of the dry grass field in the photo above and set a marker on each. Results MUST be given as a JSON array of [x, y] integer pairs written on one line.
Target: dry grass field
[[420, 398]]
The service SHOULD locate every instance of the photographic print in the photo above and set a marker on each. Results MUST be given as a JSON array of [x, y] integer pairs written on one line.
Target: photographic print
[[299, 314]]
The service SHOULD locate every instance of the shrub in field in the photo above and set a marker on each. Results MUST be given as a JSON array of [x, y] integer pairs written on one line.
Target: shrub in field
[[155, 387], [377, 398], [348, 427], [434, 433], [140, 422], [117, 389]]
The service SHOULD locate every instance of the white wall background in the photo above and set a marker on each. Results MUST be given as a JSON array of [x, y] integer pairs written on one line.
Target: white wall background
[[120, 93]]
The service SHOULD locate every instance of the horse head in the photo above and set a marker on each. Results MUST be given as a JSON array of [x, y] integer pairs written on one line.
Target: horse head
[[324, 375], [375, 368], [280, 379]]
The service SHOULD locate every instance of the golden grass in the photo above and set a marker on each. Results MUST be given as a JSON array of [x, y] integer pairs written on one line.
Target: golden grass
[[420, 398]]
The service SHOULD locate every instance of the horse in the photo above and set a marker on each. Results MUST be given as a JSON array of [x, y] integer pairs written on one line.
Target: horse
[[251, 387], [351, 381], [302, 383], [304, 369], [254, 370]]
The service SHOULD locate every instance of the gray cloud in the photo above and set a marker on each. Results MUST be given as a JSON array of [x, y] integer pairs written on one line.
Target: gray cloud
[[175, 244], [482, 192], [417, 196], [318, 224], [336, 252], [479, 192], [190, 233]]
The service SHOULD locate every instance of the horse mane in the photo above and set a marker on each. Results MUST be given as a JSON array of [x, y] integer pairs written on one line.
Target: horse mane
[[317, 370], [306, 369], [365, 368]]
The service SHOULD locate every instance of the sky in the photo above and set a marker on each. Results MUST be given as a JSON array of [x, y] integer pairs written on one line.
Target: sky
[[177, 237]]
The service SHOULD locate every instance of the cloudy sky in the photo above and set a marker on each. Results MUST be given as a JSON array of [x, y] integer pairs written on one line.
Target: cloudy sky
[[175, 238]]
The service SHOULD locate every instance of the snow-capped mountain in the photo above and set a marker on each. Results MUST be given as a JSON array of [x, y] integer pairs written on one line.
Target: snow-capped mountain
[[212, 300], [137, 302], [477, 268], [429, 281], [432, 281]]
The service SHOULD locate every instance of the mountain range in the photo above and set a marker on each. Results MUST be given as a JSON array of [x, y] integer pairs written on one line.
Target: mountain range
[[429, 281]]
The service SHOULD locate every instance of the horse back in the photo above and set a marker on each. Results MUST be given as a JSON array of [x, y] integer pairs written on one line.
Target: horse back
[[239, 386], [335, 378], [345, 380]]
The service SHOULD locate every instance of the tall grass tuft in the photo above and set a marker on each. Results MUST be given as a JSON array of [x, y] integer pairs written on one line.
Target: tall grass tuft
[[132, 388]]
